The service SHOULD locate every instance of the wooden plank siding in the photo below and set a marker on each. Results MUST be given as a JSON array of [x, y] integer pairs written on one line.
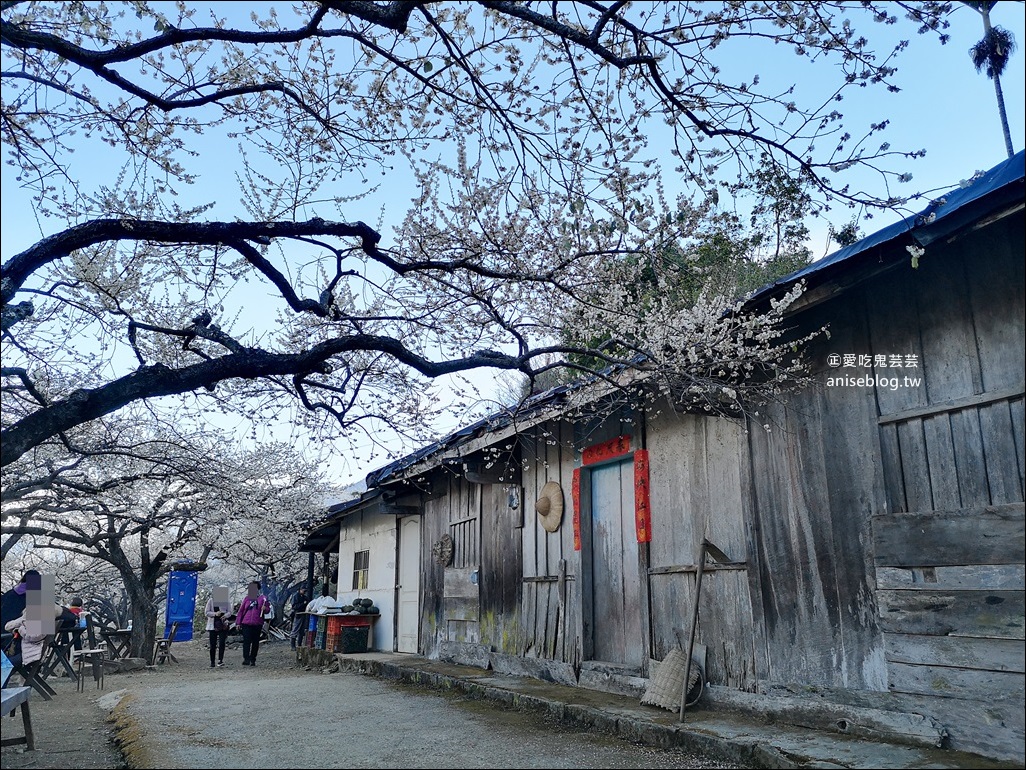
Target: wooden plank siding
[[450, 609], [434, 524], [835, 470], [815, 482], [885, 523], [695, 481], [550, 610], [955, 459], [953, 682], [1003, 577], [465, 523], [461, 594], [992, 614], [994, 272], [949, 547], [501, 570], [962, 651], [972, 536]]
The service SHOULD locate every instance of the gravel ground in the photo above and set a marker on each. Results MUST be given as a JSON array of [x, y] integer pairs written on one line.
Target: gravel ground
[[277, 715]]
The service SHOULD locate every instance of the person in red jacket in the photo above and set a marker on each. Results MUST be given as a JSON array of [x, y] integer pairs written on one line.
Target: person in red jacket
[[75, 608], [253, 611]]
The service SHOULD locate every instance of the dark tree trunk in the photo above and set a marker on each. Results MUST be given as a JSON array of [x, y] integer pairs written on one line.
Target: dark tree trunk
[[141, 596]]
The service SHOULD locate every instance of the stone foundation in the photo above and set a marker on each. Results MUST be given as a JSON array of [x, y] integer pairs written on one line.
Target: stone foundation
[[310, 658]]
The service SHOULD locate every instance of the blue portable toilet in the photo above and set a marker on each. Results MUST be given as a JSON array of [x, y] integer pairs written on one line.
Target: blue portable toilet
[[181, 603]]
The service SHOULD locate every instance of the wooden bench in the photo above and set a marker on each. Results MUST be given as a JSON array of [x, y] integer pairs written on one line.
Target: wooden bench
[[32, 673], [12, 698]]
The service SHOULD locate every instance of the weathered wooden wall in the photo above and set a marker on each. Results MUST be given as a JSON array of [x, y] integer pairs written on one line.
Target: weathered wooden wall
[[949, 546], [814, 485], [501, 570], [550, 615], [695, 482], [434, 524], [887, 521], [476, 598]]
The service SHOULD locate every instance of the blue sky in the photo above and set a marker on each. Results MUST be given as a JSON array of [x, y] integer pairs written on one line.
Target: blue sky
[[947, 108]]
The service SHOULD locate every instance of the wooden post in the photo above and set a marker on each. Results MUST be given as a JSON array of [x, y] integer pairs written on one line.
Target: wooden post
[[694, 626], [561, 624]]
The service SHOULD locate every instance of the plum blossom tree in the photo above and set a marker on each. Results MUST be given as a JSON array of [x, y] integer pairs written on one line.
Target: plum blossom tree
[[136, 503], [97, 583], [199, 188]]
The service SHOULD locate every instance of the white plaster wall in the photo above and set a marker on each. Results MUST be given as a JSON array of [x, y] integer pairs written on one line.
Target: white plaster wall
[[377, 534]]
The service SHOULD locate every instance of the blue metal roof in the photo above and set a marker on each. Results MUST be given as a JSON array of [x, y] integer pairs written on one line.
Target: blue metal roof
[[941, 217], [935, 221]]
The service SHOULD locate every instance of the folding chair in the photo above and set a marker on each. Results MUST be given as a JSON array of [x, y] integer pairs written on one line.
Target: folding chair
[[163, 653]]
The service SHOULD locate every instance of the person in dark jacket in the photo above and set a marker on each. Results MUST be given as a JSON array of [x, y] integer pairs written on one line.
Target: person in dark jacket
[[299, 602], [12, 603], [12, 607]]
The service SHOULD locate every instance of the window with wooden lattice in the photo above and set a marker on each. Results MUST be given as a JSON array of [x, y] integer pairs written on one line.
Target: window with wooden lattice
[[361, 570]]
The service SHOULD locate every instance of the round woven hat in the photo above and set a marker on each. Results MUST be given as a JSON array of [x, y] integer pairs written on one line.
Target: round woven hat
[[550, 506]]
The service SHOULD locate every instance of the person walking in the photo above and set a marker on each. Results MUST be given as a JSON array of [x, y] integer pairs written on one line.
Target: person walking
[[255, 608], [218, 607], [299, 602]]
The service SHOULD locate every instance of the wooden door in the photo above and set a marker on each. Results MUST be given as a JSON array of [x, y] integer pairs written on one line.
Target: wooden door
[[617, 635], [408, 609]]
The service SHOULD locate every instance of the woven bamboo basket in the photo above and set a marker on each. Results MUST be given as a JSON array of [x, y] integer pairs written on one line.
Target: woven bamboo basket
[[667, 683]]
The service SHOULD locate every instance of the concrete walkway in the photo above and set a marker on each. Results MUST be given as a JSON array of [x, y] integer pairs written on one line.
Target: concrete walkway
[[730, 736]]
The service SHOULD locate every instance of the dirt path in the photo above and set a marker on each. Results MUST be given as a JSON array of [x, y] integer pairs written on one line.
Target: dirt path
[[277, 715], [74, 730], [188, 715], [71, 731]]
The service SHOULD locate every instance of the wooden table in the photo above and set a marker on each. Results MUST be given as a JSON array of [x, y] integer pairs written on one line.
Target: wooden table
[[119, 642], [12, 697]]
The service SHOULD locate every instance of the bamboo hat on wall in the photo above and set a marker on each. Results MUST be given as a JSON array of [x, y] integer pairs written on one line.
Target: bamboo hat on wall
[[550, 506]]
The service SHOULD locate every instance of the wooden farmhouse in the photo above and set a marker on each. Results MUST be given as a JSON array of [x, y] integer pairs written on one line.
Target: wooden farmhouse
[[864, 553]]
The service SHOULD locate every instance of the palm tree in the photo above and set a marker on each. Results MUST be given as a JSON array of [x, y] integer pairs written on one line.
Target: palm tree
[[992, 54]]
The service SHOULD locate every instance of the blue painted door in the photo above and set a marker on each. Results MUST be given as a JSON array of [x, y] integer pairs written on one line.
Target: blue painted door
[[615, 567]]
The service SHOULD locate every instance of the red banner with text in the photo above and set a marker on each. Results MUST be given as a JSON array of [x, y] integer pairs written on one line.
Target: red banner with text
[[642, 506]]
